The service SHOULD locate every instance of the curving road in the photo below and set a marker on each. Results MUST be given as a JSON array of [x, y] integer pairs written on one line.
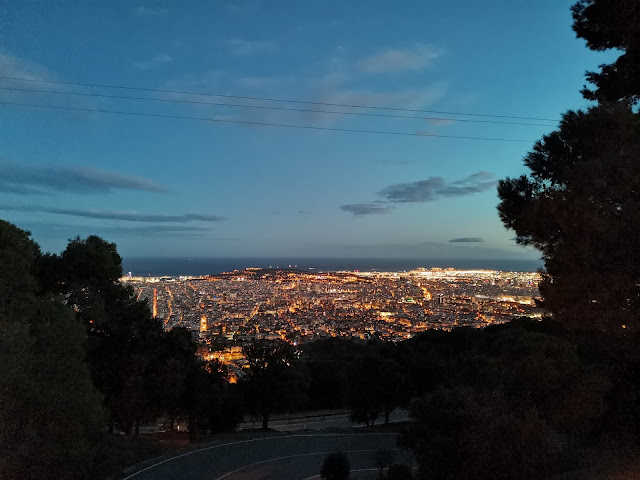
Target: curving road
[[291, 457]]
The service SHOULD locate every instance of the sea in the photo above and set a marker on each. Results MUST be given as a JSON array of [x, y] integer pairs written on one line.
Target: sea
[[196, 266]]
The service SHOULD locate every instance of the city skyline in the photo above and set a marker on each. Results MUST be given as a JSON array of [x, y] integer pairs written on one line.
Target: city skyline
[[160, 181], [299, 306]]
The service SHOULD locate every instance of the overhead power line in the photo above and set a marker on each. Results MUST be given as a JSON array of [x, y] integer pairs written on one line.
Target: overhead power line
[[268, 99], [265, 124], [268, 107]]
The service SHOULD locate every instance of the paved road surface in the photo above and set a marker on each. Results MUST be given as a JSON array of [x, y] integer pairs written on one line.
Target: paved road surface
[[291, 457]]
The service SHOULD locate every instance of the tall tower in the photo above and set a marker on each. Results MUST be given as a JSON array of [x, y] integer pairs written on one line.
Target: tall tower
[[204, 325], [155, 302]]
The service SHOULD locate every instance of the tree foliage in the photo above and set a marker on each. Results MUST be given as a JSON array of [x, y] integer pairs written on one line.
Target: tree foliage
[[579, 206], [49, 410], [462, 434], [512, 389], [611, 24], [580, 200], [398, 471], [126, 348], [384, 459], [377, 385], [18, 257], [335, 467], [276, 381]]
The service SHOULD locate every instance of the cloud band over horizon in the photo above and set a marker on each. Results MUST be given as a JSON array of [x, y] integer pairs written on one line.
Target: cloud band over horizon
[[364, 209], [467, 240], [47, 179], [113, 215]]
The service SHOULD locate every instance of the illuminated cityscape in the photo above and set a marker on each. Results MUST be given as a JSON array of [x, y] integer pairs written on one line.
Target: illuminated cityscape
[[231, 309]]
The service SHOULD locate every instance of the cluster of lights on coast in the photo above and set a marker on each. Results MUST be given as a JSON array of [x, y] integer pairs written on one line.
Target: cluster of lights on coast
[[229, 310]]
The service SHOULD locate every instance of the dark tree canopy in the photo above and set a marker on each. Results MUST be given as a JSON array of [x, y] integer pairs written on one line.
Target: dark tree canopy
[[93, 260], [335, 467], [398, 471], [579, 206], [18, 257], [378, 385], [49, 410], [276, 381], [460, 434], [140, 369], [611, 24]]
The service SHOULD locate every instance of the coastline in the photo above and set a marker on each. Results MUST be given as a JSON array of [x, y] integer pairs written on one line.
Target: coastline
[[194, 266]]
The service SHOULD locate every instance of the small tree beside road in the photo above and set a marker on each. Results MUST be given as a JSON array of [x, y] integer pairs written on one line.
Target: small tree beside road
[[335, 467]]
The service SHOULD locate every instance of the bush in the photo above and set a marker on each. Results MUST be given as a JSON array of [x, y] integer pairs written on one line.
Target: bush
[[335, 467]]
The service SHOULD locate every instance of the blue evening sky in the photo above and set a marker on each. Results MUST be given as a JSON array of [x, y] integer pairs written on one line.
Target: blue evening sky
[[176, 187]]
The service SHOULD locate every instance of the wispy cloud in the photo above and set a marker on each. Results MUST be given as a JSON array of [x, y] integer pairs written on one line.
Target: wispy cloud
[[394, 162], [427, 133], [439, 121], [203, 82], [146, 11], [365, 209], [261, 82], [147, 229], [242, 7], [422, 191], [12, 66], [115, 215], [435, 188], [338, 80], [400, 98], [394, 60], [25, 74], [128, 230], [242, 46], [411, 98], [466, 240], [43, 179], [155, 62]]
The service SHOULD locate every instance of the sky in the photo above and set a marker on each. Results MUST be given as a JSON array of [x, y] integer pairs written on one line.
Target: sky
[[183, 175]]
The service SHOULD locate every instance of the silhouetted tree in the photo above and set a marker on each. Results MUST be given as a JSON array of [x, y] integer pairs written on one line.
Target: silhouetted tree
[[173, 362], [365, 391], [122, 352], [211, 402], [328, 365], [226, 405], [579, 202], [377, 384], [328, 384], [611, 24], [275, 379], [579, 206], [540, 370], [335, 467], [398, 471], [124, 342], [197, 394], [464, 435], [383, 459], [428, 360], [142, 371], [50, 414]]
